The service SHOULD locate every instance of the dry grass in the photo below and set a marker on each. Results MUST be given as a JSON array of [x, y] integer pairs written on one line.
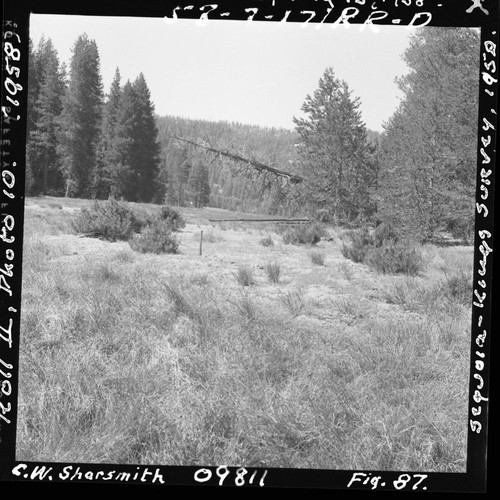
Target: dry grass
[[138, 358], [273, 270], [317, 257], [245, 276]]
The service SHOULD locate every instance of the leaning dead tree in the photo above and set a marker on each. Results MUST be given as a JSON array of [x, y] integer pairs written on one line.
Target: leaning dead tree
[[260, 167]]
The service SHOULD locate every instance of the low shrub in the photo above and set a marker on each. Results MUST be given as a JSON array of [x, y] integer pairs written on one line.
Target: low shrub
[[383, 251], [384, 233], [141, 219], [172, 217], [458, 287], [395, 258], [322, 215], [361, 242], [462, 228], [267, 241], [155, 238], [111, 220], [304, 234]]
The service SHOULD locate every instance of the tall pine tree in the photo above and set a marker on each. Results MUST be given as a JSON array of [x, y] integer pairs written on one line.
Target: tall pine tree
[[333, 150], [33, 91], [45, 90], [81, 118], [105, 181], [146, 152], [123, 180], [44, 158], [134, 170]]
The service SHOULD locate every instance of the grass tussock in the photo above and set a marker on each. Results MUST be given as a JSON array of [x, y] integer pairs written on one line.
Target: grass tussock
[[445, 296], [294, 301], [273, 271], [245, 276], [317, 258], [346, 271]]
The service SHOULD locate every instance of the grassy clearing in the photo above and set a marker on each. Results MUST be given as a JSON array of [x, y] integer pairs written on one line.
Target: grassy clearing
[[138, 358]]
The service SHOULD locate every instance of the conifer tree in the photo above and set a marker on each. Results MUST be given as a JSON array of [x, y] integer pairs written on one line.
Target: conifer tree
[[81, 118], [136, 157], [44, 159], [146, 151], [333, 150], [39, 58], [33, 90], [428, 149], [105, 181], [122, 178]]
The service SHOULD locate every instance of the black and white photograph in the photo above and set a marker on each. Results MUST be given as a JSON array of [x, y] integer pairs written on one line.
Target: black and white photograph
[[250, 247]]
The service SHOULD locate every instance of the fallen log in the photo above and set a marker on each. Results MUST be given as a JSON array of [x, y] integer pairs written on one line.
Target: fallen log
[[284, 221], [261, 167]]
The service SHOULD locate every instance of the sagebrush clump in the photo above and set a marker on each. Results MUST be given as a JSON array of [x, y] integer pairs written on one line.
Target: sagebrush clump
[[395, 258], [267, 241], [172, 218], [383, 251], [111, 220], [155, 238], [361, 243], [304, 234], [458, 286], [385, 233]]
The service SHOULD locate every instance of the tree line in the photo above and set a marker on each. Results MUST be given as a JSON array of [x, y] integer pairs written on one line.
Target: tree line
[[418, 175], [81, 143], [84, 143]]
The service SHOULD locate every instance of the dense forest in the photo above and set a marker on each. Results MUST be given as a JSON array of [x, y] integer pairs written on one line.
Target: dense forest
[[417, 175]]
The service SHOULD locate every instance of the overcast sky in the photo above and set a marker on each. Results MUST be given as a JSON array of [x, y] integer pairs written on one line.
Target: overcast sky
[[256, 73]]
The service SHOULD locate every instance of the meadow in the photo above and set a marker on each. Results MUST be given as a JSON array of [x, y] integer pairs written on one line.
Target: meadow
[[255, 353]]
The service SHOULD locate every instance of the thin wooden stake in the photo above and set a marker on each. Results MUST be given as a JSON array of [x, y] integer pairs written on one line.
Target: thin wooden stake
[[201, 241]]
